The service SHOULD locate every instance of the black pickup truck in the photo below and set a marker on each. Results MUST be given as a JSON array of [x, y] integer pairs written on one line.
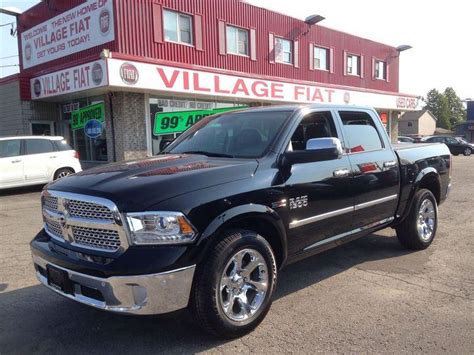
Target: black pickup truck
[[209, 223]]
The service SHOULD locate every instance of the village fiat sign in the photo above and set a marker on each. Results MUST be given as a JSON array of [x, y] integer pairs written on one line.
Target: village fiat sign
[[70, 80], [85, 26]]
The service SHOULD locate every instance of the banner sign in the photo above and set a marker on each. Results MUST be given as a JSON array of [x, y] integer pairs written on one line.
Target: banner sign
[[81, 77], [68, 108], [85, 26], [160, 78], [82, 116], [176, 122]]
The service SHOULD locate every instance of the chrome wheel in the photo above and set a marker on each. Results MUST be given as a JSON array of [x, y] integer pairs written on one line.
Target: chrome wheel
[[243, 285], [426, 220], [63, 173], [467, 152]]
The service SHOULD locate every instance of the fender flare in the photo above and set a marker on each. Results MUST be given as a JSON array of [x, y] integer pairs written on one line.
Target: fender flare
[[244, 211], [424, 174]]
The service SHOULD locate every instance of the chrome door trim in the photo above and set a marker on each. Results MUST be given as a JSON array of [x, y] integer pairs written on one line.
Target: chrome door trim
[[375, 202], [320, 217], [346, 234]]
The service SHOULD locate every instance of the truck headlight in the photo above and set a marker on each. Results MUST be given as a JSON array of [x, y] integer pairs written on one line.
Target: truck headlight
[[151, 228]]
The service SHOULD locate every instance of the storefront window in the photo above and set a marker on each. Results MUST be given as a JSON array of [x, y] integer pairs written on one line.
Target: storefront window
[[182, 115], [90, 140]]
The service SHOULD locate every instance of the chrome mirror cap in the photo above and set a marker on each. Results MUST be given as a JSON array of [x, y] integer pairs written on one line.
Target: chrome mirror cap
[[329, 143]]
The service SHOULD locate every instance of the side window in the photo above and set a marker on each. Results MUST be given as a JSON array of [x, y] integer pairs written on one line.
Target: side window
[[314, 125], [360, 132], [62, 145], [38, 146], [10, 148], [451, 140]]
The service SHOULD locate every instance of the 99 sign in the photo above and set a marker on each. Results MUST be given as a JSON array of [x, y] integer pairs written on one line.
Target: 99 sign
[[169, 122]]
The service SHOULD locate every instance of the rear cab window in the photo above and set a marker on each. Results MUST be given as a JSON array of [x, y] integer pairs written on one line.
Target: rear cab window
[[38, 146], [360, 132], [10, 148]]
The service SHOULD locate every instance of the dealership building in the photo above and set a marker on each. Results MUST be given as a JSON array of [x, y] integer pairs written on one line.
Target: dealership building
[[119, 78]]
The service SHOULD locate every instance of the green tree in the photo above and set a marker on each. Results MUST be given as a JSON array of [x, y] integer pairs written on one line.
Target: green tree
[[438, 105], [444, 113], [457, 112]]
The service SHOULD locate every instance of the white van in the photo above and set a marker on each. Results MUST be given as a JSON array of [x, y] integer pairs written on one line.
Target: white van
[[34, 160]]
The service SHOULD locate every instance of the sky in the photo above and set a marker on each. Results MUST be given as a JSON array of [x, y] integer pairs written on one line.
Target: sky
[[440, 33]]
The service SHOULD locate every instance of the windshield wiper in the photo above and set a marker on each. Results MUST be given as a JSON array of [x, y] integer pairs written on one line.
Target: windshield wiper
[[209, 154]]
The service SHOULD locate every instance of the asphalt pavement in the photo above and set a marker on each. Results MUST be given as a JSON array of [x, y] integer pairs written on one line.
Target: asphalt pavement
[[366, 296]]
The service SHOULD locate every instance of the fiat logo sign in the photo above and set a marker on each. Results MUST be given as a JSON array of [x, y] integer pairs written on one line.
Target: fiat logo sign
[[28, 51], [104, 21], [129, 73], [37, 87], [347, 97], [97, 73]]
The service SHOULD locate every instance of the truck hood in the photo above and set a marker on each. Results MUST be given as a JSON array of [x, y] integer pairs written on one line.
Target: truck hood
[[136, 185]]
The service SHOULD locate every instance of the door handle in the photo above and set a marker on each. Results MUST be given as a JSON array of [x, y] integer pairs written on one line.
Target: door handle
[[339, 173], [16, 161], [53, 156], [390, 164]]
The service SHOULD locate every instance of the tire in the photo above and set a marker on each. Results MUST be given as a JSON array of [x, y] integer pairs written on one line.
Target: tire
[[216, 301], [467, 152], [63, 173], [418, 229]]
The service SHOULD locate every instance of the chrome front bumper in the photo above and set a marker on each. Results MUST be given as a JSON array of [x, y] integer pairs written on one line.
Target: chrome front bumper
[[141, 294]]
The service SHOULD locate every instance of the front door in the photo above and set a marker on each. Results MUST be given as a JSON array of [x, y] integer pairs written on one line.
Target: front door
[[320, 203], [11, 163], [375, 170]]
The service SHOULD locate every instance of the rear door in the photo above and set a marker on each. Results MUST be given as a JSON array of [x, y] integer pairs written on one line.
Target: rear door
[[320, 203], [375, 170], [40, 159], [11, 163]]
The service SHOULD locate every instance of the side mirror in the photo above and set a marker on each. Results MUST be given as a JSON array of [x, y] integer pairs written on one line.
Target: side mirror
[[317, 149]]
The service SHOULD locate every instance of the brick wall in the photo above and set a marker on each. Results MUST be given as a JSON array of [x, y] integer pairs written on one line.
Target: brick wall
[[11, 119], [15, 115], [129, 126]]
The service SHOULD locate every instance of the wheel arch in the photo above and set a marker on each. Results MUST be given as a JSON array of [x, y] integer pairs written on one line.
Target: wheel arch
[[427, 178], [60, 168], [258, 218]]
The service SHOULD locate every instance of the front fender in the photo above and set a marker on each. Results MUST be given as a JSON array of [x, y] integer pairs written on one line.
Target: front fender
[[247, 211]]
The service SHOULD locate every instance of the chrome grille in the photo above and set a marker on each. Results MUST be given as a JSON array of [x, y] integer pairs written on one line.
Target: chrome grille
[[50, 203], [83, 221], [54, 228], [96, 238], [90, 210]]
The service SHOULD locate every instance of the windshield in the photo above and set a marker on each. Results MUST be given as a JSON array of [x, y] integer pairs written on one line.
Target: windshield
[[243, 134]]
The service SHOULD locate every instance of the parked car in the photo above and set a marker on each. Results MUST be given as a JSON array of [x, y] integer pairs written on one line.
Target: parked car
[[34, 160], [403, 139], [210, 222], [455, 145]]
